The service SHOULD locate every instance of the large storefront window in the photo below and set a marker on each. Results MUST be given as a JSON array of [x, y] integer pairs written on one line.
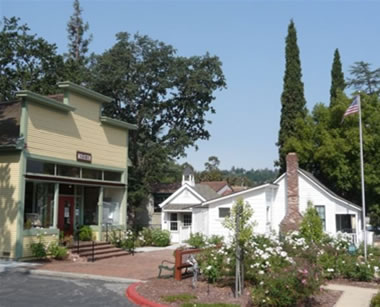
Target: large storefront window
[[112, 199], [39, 205]]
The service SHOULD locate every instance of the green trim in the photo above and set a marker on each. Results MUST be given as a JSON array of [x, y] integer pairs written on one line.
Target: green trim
[[55, 208], [21, 183], [74, 163], [37, 231], [67, 85], [100, 213], [117, 123], [45, 101]]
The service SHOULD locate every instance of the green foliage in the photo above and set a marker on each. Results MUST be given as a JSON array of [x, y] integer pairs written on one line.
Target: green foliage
[[215, 240], [167, 96], [311, 227], [56, 251], [27, 61], [329, 148], [145, 237], [374, 215], [337, 78], [375, 301], [197, 240], [364, 78], [38, 248], [76, 69], [244, 212], [160, 237], [85, 233], [293, 103], [181, 298]]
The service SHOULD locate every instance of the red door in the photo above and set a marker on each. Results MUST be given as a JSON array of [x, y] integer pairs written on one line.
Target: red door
[[66, 214]]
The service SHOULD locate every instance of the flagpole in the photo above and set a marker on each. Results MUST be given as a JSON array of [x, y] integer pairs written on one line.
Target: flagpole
[[362, 177]]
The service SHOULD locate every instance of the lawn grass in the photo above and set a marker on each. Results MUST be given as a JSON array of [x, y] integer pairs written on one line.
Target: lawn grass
[[183, 298]]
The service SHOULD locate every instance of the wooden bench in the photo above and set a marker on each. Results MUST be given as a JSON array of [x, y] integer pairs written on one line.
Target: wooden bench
[[181, 256]]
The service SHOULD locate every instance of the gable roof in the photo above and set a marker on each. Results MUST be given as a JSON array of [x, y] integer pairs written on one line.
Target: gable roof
[[312, 178], [266, 185], [179, 191], [215, 185], [206, 191]]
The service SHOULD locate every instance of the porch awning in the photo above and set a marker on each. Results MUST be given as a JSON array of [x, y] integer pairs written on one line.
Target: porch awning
[[171, 207]]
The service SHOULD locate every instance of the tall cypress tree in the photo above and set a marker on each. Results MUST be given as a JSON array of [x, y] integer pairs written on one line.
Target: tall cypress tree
[[337, 78], [76, 28], [293, 103], [76, 58]]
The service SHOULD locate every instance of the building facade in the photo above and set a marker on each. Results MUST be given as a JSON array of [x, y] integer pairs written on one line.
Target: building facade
[[278, 207], [62, 165]]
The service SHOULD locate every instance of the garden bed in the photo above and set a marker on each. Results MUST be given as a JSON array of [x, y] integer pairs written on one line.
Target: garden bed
[[157, 289]]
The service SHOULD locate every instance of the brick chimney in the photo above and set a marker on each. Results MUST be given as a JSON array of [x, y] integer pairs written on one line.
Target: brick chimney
[[293, 217]]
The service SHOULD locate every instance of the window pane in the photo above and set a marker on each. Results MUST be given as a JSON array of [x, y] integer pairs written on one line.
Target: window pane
[[68, 171], [224, 212], [112, 176], [39, 209], [173, 226], [187, 220], [39, 167], [112, 199], [91, 173]]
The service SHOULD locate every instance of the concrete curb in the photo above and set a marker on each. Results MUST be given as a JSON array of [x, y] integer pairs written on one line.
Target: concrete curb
[[136, 298], [78, 275]]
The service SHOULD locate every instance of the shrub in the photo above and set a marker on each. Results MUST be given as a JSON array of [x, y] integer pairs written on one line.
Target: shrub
[[197, 240], [145, 237], [160, 237], [215, 240], [375, 302], [85, 233], [56, 251], [38, 248], [311, 228]]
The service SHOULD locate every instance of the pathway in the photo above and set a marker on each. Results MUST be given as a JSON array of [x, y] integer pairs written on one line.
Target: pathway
[[353, 296]]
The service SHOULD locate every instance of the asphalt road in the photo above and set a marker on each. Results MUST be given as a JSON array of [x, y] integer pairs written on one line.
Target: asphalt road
[[19, 289]]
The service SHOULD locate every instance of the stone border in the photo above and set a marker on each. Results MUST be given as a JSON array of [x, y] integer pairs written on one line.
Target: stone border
[[136, 298]]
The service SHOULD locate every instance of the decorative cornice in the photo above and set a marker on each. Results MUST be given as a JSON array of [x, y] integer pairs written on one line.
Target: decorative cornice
[[117, 123], [67, 85], [45, 101]]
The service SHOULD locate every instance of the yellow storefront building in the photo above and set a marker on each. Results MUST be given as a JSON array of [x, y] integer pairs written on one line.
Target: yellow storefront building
[[62, 165]]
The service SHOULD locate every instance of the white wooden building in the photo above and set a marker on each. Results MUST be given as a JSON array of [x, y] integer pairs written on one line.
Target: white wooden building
[[277, 206]]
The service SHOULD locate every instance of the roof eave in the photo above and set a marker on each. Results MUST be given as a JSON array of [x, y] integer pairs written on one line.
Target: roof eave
[[78, 89], [45, 101], [117, 123]]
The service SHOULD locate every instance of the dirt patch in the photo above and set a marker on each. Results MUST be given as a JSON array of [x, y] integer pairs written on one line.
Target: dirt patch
[[156, 289]]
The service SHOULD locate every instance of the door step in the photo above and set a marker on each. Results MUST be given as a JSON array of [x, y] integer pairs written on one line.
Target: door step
[[97, 251]]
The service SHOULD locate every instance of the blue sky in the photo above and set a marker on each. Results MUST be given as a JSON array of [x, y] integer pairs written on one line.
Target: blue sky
[[249, 38]]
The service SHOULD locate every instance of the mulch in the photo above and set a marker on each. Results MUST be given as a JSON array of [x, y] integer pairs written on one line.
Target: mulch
[[156, 289]]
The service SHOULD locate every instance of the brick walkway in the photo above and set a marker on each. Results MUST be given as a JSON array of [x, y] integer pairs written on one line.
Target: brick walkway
[[140, 266]]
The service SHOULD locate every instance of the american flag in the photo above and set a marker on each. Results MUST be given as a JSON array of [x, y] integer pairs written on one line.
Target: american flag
[[353, 108]]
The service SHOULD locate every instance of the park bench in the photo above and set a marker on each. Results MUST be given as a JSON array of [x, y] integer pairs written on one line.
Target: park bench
[[181, 257]]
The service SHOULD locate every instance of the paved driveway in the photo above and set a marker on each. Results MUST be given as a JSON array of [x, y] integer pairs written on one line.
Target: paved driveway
[[18, 289]]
